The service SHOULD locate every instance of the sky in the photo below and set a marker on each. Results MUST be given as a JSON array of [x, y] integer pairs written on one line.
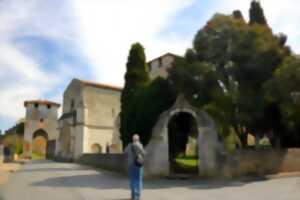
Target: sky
[[44, 44]]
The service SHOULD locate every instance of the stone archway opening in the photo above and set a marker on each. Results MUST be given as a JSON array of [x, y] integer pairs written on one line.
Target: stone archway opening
[[39, 144], [96, 148], [199, 125], [183, 149]]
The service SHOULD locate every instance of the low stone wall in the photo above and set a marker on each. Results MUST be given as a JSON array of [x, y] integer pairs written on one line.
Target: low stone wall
[[1, 154], [112, 162], [261, 162]]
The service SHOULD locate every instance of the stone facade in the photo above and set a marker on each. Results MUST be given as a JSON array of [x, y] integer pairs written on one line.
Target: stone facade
[[159, 66], [157, 159], [89, 119], [40, 120], [1, 153]]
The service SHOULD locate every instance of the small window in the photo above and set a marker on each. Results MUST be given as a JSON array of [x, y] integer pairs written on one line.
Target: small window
[[36, 105], [72, 104], [160, 62], [49, 106]]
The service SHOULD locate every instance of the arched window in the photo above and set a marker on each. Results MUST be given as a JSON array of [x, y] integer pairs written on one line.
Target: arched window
[[72, 104], [96, 148]]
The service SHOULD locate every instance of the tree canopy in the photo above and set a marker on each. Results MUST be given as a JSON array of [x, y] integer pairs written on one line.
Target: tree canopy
[[136, 77], [257, 15], [240, 72]]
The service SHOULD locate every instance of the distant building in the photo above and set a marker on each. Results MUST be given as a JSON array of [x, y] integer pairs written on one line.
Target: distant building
[[90, 116], [159, 66], [90, 119], [40, 121]]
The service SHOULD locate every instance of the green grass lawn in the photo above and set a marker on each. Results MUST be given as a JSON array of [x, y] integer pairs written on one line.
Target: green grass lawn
[[36, 156], [187, 162]]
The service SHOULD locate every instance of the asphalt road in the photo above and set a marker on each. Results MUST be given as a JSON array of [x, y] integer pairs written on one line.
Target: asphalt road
[[46, 180]]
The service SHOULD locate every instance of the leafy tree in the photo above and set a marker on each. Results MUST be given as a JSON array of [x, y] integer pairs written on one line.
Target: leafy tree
[[257, 15], [136, 77], [283, 92], [226, 69], [237, 14], [146, 106]]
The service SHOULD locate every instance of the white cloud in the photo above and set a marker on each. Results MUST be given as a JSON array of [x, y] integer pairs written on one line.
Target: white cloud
[[109, 27], [105, 31], [22, 77]]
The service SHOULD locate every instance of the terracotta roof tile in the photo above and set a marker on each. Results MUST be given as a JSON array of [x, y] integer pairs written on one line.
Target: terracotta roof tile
[[100, 85], [164, 55], [41, 102]]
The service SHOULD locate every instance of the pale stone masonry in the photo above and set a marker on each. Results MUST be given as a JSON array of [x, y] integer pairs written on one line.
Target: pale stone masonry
[[159, 66], [90, 116], [40, 120], [89, 119]]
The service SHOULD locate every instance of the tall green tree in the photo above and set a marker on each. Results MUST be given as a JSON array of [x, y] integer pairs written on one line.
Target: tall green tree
[[283, 92], [237, 14], [229, 64], [136, 77], [257, 15]]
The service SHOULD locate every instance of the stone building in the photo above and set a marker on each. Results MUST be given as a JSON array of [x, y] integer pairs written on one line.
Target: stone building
[[89, 119], [40, 122], [159, 66]]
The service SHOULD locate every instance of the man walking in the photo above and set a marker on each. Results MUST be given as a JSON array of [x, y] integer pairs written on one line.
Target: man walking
[[136, 154]]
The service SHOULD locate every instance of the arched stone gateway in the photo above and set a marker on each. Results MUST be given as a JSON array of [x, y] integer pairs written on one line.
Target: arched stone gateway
[[40, 122], [157, 161], [39, 143]]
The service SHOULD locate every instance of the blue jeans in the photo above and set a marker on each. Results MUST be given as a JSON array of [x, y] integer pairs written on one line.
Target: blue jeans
[[136, 180]]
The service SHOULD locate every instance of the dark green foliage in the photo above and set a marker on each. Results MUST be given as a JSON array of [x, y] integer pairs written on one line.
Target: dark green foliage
[[230, 63], [237, 14], [242, 74], [136, 77], [145, 108], [20, 129], [257, 15], [283, 92]]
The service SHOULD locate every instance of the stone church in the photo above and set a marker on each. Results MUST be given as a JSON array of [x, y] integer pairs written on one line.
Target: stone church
[[90, 117]]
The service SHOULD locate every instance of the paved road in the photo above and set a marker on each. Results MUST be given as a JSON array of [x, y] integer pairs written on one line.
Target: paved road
[[45, 180]]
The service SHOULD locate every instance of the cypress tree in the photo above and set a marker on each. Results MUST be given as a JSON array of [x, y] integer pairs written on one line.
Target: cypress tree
[[257, 14], [237, 14], [136, 77]]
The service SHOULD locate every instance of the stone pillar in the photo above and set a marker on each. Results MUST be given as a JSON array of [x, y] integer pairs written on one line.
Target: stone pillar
[[1, 154], [207, 152]]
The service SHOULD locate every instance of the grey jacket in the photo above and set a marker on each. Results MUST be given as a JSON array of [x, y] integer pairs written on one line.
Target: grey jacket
[[137, 149]]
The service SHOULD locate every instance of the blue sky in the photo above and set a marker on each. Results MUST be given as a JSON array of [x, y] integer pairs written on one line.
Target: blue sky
[[44, 44]]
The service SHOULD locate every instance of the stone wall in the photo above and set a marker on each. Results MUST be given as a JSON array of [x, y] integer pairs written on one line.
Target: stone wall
[[112, 162], [50, 149], [1, 154], [261, 162]]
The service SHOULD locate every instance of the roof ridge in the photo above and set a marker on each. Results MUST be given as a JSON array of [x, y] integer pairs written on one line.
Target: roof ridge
[[100, 85]]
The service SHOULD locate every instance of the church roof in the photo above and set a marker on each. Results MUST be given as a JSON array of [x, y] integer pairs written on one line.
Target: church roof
[[41, 102], [164, 55], [100, 85]]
